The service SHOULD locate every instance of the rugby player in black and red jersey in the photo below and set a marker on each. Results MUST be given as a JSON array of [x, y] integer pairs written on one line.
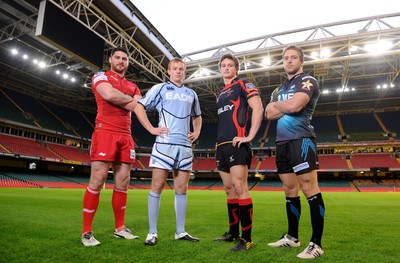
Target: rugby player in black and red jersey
[[233, 153]]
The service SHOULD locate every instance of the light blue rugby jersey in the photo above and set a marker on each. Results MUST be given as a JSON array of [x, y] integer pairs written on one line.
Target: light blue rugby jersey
[[175, 106]]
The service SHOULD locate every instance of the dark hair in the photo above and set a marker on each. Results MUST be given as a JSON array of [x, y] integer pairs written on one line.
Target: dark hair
[[122, 49], [296, 48], [231, 57]]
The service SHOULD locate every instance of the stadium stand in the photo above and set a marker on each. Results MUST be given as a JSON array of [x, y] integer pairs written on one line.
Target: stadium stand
[[70, 152], [361, 127], [72, 119], [27, 147], [332, 161], [371, 160], [9, 111], [327, 129]]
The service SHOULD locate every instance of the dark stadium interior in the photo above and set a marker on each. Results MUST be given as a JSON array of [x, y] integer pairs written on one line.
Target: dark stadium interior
[[48, 120]]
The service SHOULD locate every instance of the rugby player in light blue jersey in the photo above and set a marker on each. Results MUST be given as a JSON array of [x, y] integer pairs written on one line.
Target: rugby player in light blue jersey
[[176, 105]]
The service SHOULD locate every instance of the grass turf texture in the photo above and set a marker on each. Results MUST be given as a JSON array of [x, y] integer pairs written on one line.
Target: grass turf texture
[[43, 225]]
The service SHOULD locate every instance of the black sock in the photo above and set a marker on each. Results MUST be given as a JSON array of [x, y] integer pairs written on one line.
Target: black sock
[[246, 217], [293, 212], [234, 216], [317, 211]]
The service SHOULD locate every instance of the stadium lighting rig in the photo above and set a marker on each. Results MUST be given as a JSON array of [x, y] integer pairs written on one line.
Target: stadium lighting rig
[[42, 65]]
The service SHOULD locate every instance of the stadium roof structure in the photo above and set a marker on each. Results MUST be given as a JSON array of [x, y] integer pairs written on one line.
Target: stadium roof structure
[[357, 62]]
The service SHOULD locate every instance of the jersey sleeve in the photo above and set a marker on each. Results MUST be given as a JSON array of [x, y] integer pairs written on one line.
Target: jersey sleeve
[[196, 111], [152, 97], [98, 78], [250, 89], [307, 85]]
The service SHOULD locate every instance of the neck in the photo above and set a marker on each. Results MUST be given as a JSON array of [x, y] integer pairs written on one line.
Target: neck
[[229, 80], [121, 74], [177, 83]]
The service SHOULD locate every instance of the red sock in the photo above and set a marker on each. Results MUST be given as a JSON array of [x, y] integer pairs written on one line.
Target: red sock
[[119, 206], [90, 204]]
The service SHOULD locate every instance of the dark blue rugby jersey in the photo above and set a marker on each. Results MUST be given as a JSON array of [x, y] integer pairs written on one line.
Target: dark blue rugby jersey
[[233, 109], [297, 125]]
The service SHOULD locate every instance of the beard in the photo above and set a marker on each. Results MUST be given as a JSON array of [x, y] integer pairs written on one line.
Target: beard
[[120, 69]]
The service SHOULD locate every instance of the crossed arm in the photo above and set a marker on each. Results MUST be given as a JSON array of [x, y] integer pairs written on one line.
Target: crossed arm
[[277, 109]]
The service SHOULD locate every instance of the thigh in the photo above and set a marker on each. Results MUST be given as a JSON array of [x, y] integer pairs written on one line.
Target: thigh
[[309, 183], [122, 172], [181, 180], [98, 174], [239, 174]]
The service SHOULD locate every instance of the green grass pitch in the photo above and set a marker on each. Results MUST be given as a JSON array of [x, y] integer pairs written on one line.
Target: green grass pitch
[[44, 225]]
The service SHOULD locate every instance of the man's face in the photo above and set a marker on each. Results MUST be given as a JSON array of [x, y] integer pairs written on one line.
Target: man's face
[[119, 62], [177, 72], [292, 62], [228, 69]]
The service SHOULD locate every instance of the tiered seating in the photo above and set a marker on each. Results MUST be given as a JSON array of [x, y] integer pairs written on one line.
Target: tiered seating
[[70, 153], [141, 136], [208, 136], [36, 110], [326, 128], [369, 160], [377, 186], [204, 164], [10, 112], [201, 184], [268, 185], [73, 119], [390, 120], [254, 163], [139, 184], [142, 162], [332, 162], [42, 180], [268, 164], [25, 146], [362, 127], [10, 182], [335, 185]]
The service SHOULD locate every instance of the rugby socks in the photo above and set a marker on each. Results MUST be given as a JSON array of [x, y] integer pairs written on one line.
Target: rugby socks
[[153, 203], [317, 212], [234, 216], [118, 201], [246, 217], [293, 212], [90, 204], [180, 212]]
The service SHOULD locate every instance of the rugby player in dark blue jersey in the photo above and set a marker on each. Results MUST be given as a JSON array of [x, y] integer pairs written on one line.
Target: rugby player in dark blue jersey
[[292, 105]]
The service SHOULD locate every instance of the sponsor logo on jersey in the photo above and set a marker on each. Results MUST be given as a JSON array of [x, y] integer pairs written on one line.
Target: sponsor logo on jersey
[[225, 108], [102, 154], [231, 159], [98, 77], [306, 85], [250, 85], [300, 167], [178, 96], [132, 155]]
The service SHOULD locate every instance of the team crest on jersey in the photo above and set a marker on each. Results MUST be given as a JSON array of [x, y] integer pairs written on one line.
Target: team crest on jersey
[[306, 85], [99, 76], [250, 85]]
